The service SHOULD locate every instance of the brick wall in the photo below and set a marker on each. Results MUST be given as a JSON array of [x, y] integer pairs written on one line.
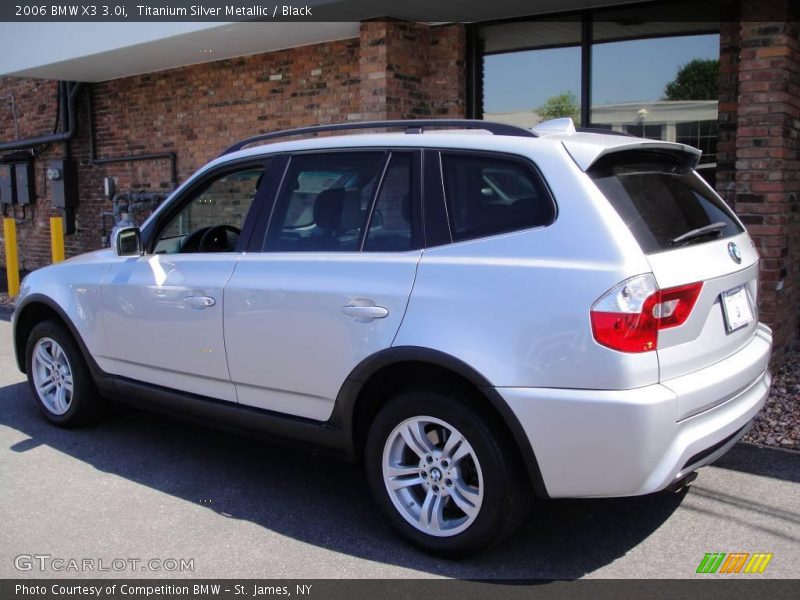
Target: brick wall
[[391, 70], [35, 102], [760, 157], [727, 107], [409, 70]]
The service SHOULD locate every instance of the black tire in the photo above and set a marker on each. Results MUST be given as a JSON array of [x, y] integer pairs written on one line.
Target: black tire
[[506, 490], [85, 404]]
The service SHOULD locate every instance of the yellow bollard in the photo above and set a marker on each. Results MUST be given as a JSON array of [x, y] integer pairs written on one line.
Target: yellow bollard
[[12, 261], [57, 238]]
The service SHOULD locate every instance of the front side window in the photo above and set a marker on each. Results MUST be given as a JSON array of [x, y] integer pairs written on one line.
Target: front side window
[[213, 218], [487, 196], [324, 202], [391, 224]]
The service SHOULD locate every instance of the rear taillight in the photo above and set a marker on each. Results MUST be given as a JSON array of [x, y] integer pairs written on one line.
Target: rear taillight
[[628, 317]]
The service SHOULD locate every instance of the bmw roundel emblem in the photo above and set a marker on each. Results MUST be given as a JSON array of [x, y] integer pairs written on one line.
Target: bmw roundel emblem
[[735, 253]]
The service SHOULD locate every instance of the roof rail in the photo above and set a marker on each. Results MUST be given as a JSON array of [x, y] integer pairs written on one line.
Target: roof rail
[[410, 126]]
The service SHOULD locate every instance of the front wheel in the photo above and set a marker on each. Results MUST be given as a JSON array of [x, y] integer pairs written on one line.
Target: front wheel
[[445, 474], [60, 381]]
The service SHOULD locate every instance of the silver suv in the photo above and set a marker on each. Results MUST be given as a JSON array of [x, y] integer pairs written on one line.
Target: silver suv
[[481, 315]]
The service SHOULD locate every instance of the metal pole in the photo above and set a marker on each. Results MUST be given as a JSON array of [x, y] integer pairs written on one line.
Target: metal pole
[[586, 70], [12, 261], [57, 238]]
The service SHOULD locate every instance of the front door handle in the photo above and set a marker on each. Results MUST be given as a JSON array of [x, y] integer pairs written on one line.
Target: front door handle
[[364, 310], [200, 302]]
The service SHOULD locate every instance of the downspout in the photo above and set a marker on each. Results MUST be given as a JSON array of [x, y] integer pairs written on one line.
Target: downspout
[[69, 126]]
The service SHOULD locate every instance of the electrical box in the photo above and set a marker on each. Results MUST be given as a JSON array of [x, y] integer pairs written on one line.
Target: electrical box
[[23, 176], [7, 185], [63, 177]]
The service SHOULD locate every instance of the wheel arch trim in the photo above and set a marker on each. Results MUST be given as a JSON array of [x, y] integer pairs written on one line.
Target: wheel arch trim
[[19, 344], [344, 412]]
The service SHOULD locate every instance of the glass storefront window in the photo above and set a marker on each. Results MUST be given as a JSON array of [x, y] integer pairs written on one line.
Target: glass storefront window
[[525, 88], [661, 89], [531, 71], [652, 79]]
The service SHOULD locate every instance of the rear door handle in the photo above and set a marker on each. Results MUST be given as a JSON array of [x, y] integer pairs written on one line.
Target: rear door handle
[[200, 302], [364, 310]]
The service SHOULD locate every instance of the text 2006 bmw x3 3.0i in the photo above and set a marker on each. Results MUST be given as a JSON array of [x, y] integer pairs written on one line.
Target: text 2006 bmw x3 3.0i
[[481, 318]]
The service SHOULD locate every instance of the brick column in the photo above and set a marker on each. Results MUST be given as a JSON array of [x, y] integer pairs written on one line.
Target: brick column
[[410, 70], [767, 178], [728, 98]]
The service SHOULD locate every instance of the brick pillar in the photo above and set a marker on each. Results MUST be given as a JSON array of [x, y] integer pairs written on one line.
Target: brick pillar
[[410, 70], [728, 98], [767, 178]]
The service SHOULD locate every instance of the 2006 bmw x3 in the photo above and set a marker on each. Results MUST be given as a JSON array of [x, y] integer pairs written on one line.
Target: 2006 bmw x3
[[481, 318]]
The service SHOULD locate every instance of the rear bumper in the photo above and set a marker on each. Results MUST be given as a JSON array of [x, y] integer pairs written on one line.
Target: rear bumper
[[595, 443]]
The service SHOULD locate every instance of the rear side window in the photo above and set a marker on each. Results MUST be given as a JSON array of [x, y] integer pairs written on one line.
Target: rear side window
[[664, 203], [390, 226], [488, 195]]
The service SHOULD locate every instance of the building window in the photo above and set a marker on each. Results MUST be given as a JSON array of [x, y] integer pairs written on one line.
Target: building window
[[650, 131], [609, 69], [700, 134], [661, 88], [531, 69]]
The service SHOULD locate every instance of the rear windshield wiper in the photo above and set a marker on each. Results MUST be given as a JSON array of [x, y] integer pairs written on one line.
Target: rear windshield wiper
[[699, 232]]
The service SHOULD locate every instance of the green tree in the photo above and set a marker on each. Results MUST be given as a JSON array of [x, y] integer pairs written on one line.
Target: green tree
[[560, 106], [696, 80]]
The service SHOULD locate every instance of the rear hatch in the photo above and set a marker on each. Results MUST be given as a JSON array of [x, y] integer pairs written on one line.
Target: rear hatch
[[689, 236]]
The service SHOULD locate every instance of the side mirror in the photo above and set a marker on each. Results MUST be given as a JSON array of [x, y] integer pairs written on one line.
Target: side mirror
[[128, 242]]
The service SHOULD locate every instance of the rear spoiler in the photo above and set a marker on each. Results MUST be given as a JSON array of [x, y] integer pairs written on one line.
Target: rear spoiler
[[589, 153], [588, 147]]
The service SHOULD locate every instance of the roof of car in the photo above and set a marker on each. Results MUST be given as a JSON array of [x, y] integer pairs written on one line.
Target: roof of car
[[584, 147]]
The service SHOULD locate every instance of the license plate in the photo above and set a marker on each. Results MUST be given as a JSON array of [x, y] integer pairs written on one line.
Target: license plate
[[736, 308]]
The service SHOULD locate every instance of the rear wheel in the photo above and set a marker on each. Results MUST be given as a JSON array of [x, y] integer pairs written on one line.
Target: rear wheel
[[444, 474], [60, 382]]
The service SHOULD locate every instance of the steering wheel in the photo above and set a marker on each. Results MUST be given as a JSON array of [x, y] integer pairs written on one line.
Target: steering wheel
[[215, 239]]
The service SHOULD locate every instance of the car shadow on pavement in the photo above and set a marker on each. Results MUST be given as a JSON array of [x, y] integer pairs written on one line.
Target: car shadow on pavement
[[774, 463], [317, 500]]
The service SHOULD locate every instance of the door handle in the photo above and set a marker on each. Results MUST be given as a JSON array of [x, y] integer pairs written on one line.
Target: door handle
[[363, 310], [200, 302]]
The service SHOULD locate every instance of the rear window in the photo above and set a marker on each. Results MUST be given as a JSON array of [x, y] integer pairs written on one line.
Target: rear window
[[663, 202]]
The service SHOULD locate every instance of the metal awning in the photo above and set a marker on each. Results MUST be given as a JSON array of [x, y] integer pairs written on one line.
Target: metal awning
[[96, 51]]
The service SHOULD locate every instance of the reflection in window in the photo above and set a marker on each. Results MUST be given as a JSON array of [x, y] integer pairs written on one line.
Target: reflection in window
[[486, 196], [323, 203], [655, 79], [213, 219], [660, 89], [653, 132], [532, 71], [700, 134], [392, 218]]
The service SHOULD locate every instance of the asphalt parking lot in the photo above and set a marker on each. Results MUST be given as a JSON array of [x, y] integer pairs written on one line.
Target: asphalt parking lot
[[142, 487]]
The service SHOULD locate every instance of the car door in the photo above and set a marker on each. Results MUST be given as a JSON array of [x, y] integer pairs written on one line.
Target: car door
[[163, 311], [331, 281]]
